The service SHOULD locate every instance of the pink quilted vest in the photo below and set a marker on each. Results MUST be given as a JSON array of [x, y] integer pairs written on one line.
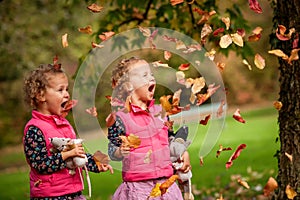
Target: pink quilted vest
[[60, 182], [151, 159]]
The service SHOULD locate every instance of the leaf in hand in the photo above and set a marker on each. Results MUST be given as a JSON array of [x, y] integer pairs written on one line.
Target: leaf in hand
[[235, 155]]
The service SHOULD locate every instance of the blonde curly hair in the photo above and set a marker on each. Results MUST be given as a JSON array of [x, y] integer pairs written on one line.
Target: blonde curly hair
[[36, 82], [120, 77]]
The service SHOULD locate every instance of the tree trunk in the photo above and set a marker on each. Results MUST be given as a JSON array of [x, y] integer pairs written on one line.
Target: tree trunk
[[287, 13]]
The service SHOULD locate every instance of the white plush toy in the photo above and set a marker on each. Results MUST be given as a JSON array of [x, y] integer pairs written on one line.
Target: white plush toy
[[178, 146], [66, 144]]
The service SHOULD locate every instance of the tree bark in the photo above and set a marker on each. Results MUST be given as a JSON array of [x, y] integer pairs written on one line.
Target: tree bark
[[287, 13]]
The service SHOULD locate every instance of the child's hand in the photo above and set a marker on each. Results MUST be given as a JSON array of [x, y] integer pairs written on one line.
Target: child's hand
[[78, 150], [186, 162], [122, 151], [105, 167]]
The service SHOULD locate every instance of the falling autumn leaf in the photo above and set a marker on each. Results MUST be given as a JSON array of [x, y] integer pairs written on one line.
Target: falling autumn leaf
[[237, 116], [220, 110], [206, 30], [225, 41], [221, 66], [201, 161], [184, 66], [243, 183], [217, 31], [290, 192], [270, 186], [245, 62], [277, 105], [180, 45], [281, 33], [95, 45], [106, 35], [254, 5], [289, 156], [293, 56], [237, 39], [235, 155], [198, 84], [167, 55], [259, 61], [64, 40], [175, 2], [226, 21], [201, 98], [221, 149], [205, 120], [211, 54], [180, 77], [95, 8], [68, 106], [92, 111], [87, 29], [279, 53]]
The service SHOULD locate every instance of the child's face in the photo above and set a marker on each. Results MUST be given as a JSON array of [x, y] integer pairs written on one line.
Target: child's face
[[142, 81], [55, 96]]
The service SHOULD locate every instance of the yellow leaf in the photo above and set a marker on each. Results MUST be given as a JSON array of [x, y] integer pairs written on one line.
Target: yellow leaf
[[155, 192], [225, 41], [259, 61], [290, 192], [64, 40], [237, 39], [245, 62]]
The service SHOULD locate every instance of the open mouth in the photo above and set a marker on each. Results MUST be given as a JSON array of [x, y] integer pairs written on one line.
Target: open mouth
[[64, 104], [151, 88]]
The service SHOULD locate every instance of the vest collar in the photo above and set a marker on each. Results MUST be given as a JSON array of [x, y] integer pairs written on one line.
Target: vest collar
[[49, 118]]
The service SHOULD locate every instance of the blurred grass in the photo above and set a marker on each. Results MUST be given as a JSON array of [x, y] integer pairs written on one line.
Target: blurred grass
[[255, 164]]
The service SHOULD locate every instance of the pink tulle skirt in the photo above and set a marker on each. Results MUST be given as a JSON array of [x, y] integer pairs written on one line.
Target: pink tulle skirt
[[141, 191]]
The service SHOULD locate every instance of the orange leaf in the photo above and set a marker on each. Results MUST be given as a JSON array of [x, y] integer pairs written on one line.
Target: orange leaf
[[68, 106], [95, 8], [175, 2], [106, 35], [64, 40], [165, 185], [243, 183], [133, 141], [235, 155], [270, 186], [293, 56], [281, 35], [87, 29], [277, 105], [290, 192], [201, 98]]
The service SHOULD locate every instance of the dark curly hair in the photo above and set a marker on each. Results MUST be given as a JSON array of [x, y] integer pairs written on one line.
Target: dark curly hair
[[36, 81]]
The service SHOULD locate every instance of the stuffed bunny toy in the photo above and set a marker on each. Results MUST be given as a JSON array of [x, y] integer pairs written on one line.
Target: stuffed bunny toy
[[178, 146], [65, 144]]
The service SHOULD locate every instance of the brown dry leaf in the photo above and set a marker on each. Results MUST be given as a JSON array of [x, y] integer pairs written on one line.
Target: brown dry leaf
[[64, 40], [221, 66], [270, 186], [289, 156], [243, 183], [134, 140], [245, 62], [259, 61], [225, 41], [290, 192], [95, 8], [165, 185], [277, 105], [226, 21], [199, 83], [87, 29], [100, 159], [237, 39]]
